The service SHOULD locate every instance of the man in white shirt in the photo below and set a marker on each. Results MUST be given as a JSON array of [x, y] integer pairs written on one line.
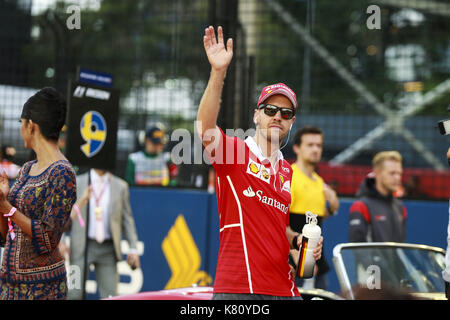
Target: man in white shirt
[[110, 217]]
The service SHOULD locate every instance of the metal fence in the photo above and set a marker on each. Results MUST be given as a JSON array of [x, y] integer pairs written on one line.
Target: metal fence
[[373, 75]]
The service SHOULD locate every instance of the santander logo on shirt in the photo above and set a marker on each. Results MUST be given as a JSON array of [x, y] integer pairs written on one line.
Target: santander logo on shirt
[[265, 199]]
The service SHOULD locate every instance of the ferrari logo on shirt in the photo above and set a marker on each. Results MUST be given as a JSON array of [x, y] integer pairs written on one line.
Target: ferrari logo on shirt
[[285, 184], [259, 171]]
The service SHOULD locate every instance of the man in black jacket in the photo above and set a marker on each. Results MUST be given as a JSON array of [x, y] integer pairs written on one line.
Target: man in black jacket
[[377, 216]]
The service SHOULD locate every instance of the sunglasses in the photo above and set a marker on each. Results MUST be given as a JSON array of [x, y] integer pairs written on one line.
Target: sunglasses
[[271, 110]]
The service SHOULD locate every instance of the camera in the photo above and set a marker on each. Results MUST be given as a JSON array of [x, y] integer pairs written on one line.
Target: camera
[[444, 129], [444, 125]]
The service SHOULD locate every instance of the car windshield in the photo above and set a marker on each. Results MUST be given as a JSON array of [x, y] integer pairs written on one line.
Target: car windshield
[[419, 270]]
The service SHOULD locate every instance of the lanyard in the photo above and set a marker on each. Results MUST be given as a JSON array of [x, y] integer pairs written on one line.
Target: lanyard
[[98, 197]]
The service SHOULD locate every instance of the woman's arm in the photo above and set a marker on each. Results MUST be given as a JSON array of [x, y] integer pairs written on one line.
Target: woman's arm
[[4, 191], [22, 221], [3, 228]]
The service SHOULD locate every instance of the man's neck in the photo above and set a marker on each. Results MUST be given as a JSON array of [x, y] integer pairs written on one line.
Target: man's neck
[[268, 147], [381, 190], [150, 153], [269, 150], [306, 167], [100, 172]]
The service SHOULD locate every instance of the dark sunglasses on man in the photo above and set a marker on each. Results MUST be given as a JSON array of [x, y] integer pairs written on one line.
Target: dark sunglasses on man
[[271, 110]]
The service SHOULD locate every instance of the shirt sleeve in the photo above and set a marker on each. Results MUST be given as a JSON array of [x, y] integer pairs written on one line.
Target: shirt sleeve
[[11, 199], [291, 176], [224, 152], [128, 224], [359, 222], [130, 171], [61, 195], [404, 215]]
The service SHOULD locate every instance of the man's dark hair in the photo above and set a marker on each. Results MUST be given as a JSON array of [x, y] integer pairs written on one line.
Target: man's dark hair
[[47, 108], [305, 130]]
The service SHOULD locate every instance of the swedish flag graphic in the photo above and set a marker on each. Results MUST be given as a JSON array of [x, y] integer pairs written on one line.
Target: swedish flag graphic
[[93, 131]]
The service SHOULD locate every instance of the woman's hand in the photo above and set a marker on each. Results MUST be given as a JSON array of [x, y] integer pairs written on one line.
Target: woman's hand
[[2, 204], [5, 206], [4, 185], [85, 197], [4, 191]]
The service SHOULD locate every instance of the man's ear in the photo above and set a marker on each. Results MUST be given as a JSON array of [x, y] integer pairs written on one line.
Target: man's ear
[[376, 171], [295, 148], [256, 117]]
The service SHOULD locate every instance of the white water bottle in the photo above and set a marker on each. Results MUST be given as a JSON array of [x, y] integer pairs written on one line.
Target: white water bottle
[[310, 237]]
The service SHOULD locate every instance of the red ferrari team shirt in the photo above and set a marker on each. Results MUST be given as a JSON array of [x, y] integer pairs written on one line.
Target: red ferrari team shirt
[[253, 201]]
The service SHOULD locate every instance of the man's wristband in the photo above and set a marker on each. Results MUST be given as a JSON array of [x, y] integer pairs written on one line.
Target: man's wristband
[[294, 243]]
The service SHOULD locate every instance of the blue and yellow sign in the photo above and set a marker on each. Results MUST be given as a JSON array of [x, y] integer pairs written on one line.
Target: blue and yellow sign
[[93, 121], [183, 257], [93, 130]]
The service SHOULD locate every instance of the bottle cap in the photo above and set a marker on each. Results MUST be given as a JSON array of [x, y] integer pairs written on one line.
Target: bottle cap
[[311, 218]]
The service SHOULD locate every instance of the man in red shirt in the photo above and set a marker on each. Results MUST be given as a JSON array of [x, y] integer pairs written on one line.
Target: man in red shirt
[[253, 188]]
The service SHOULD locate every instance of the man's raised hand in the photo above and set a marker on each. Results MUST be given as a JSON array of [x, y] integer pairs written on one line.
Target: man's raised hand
[[218, 55]]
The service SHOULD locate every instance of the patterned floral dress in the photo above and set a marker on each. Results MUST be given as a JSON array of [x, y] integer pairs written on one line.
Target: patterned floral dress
[[32, 267]]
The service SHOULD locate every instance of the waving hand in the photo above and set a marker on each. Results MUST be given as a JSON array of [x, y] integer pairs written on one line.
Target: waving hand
[[218, 55]]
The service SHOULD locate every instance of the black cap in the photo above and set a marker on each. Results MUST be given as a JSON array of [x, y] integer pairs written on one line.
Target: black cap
[[155, 135]]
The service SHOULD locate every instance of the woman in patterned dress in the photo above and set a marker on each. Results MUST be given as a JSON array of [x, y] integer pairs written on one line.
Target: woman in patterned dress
[[35, 210]]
